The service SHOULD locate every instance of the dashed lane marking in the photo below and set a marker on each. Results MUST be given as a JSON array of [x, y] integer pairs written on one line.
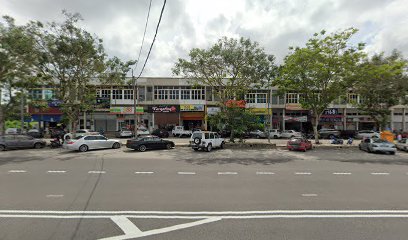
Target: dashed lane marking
[[342, 173], [309, 195], [265, 173], [227, 173], [17, 171], [186, 173], [96, 172], [144, 172], [380, 173], [303, 173], [56, 171], [54, 196]]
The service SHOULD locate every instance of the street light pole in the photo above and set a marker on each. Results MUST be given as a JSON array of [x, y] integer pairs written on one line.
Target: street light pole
[[135, 117]]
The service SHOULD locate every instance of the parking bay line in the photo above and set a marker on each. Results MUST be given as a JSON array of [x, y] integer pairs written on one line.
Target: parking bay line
[[380, 173], [342, 173], [54, 195], [303, 173], [265, 173], [144, 173], [309, 195], [17, 171], [56, 171]]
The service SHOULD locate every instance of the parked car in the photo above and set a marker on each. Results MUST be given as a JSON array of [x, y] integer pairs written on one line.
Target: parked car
[[377, 145], [124, 132], [83, 132], [142, 131], [290, 134], [367, 134], [299, 143], [89, 142], [149, 142], [161, 133], [328, 133], [403, 144], [13, 131], [179, 131], [12, 141], [35, 133], [257, 134], [206, 141], [273, 133]]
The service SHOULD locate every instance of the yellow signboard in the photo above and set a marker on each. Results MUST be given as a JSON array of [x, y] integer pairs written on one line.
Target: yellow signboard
[[259, 110]]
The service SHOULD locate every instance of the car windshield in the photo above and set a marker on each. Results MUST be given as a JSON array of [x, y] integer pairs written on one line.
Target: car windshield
[[197, 135], [379, 141]]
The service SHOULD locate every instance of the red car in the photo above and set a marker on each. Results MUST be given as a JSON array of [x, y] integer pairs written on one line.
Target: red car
[[301, 144]]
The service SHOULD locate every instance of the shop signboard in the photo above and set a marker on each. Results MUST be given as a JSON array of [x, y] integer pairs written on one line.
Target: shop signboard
[[121, 110], [191, 108], [102, 103], [213, 110], [259, 110], [164, 109], [293, 106], [139, 110], [296, 119], [54, 103], [331, 111]]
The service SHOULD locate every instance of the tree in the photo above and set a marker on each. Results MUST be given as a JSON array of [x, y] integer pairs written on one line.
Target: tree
[[71, 59], [383, 83], [232, 67], [116, 71], [321, 71], [18, 60]]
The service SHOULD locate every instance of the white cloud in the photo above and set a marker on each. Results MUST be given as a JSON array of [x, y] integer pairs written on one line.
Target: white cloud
[[275, 24]]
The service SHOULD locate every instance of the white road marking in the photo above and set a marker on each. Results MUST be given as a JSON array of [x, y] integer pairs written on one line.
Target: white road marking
[[303, 173], [380, 173], [227, 173], [17, 171], [186, 173], [265, 173], [309, 195], [96, 172], [126, 225], [144, 172], [54, 195], [56, 171], [342, 173]]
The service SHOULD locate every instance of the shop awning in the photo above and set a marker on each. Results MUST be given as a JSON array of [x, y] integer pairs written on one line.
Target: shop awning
[[45, 118]]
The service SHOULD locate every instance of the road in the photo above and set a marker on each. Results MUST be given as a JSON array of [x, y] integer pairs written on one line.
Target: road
[[181, 194]]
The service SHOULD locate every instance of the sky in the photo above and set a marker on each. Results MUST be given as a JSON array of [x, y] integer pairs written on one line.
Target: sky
[[274, 24]]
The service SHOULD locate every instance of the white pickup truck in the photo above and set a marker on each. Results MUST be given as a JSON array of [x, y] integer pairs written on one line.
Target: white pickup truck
[[179, 131]]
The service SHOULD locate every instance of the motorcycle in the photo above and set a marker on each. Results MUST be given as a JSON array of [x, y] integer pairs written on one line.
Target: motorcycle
[[56, 143]]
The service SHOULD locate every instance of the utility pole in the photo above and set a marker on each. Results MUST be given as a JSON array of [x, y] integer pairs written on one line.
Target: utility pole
[[22, 111], [135, 117]]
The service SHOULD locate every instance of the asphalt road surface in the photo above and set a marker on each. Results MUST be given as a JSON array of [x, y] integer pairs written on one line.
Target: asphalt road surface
[[182, 194]]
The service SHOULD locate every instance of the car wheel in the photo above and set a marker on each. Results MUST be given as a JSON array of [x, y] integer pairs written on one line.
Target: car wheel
[[197, 140], [83, 148], [209, 147], [142, 148], [304, 150], [257, 136], [392, 153], [116, 145], [222, 145], [331, 136], [359, 147], [37, 145], [369, 150], [275, 136], [2, 148], [168, 146], [196, 149]]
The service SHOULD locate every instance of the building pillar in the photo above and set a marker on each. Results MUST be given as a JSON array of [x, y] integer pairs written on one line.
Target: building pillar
[[283, 119], [344, 118], [404, 112], [391, 120], [84, 119]]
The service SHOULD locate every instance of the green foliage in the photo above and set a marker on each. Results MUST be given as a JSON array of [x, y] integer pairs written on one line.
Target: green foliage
[[382, 84], [116, 71], [321, 71], [237, 120], [18, 61], [231, 67]]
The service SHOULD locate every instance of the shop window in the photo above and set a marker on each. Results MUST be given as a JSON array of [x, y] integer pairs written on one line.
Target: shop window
[[141, 91], [261, 98], [49, 94], [36, 94], [174, 94], [292, 98], [250, 97], [352, 98], [117, 94], [105, 93], [185, 94], [128, 94], [197, 94], [208, 93]]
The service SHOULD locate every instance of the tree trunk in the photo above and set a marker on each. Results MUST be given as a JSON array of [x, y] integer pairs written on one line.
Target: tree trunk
[[315, 123], [2, 122]]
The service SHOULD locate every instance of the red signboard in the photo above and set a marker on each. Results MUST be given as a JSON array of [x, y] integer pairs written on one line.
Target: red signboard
[[44, 111], [235, 103]]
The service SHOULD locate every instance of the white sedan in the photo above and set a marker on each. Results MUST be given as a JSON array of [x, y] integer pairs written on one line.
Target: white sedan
[[290, 134], [85, 143], [403, 144]]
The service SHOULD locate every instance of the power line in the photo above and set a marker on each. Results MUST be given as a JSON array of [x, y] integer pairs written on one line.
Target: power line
[[154, 39], [144, 34]]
